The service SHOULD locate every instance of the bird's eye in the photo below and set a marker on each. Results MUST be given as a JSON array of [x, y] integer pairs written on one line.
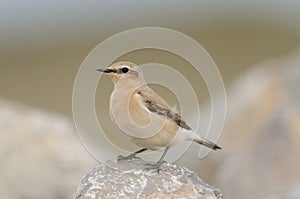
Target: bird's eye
[[125, 70]]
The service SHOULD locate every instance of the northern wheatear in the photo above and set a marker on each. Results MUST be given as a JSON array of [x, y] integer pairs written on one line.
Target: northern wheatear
[[142, 114]]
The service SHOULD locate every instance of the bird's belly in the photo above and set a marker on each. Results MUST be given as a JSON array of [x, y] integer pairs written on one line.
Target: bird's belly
[[146, 129], [132, 118], [160, 140]]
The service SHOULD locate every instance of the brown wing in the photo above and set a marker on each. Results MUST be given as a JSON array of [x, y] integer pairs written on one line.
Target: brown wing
[[155, 104]]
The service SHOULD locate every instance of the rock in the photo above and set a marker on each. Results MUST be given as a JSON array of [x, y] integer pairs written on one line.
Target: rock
[[129, 179], [291, 193], [40, 154], [261, 136]]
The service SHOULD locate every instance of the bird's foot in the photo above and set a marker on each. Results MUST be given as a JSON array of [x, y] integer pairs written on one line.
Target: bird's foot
[[128, 157], [154, 166], [132, 155]]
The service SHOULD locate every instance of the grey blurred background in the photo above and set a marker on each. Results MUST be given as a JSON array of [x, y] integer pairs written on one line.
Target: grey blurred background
[[42, 45]]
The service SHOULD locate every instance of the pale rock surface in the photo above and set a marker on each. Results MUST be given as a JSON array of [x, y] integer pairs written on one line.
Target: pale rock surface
[[261, 138], [129, 179], [40, 154], [292, 193]]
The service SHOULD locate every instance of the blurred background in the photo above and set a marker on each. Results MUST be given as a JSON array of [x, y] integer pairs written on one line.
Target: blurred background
[[255, 45]]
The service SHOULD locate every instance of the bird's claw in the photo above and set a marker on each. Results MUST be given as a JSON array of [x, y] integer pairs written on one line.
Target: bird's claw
[[129, 157], [154, 166]]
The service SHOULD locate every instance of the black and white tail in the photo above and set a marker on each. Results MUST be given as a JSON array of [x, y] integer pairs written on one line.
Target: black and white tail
[[206, 143]]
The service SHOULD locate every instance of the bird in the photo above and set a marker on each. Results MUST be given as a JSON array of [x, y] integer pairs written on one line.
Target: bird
[[144, 115]]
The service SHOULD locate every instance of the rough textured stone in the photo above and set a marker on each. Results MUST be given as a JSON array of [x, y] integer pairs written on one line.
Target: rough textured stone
[[129, 179]]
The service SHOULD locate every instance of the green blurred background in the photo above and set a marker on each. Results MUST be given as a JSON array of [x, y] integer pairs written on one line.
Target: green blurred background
[[44, 43]]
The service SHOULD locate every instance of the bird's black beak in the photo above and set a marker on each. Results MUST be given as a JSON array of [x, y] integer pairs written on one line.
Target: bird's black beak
[[105, 70]]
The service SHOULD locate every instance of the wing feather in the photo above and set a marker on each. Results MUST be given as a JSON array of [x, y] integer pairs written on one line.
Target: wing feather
[[155, 104]]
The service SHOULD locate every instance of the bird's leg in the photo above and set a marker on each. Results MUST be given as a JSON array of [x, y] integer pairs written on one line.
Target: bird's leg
[[132, 155], [156, 166]]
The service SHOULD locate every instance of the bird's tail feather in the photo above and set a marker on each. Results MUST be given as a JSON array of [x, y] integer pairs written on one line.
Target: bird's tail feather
[[207, 143]]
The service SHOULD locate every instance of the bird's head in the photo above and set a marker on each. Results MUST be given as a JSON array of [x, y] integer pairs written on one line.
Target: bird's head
[[123, 70]]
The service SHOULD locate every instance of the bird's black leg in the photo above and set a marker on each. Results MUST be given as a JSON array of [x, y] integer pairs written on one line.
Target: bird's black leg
[[132, 155], [156, 166]]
